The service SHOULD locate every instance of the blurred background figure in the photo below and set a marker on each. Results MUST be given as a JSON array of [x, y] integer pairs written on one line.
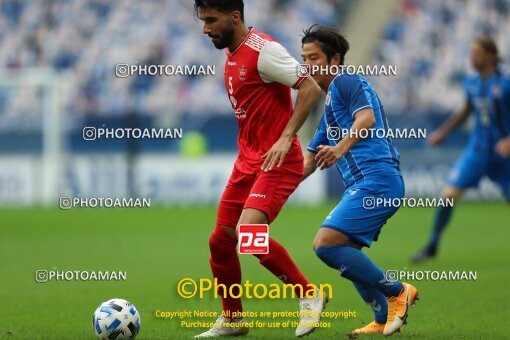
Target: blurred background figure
[[488, 150]]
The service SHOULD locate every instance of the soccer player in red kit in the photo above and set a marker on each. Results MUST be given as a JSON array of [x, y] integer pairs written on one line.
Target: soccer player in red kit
[[259, 73]]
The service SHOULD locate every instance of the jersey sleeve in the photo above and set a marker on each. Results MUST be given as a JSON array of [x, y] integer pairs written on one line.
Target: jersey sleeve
[[320, 137], [275, 64], [354, 92]]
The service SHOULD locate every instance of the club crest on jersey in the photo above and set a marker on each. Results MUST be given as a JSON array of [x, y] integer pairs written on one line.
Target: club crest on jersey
[[242, 73]]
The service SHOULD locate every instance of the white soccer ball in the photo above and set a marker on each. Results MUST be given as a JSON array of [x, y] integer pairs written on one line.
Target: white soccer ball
[[116, 319]]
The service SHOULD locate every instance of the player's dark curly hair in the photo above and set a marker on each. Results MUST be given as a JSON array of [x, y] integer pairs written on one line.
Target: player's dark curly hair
[[223, 6], [489, 45], [330, 40]]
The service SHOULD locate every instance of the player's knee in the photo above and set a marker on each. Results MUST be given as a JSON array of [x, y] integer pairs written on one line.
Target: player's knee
[[322, 242], [327, 240], [214, 243], [319, 242], [220, 237], [450, 192]]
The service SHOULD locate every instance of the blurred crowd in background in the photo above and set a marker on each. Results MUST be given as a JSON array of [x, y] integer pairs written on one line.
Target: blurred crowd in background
[[88, 38], [430, 44], [428, 41]]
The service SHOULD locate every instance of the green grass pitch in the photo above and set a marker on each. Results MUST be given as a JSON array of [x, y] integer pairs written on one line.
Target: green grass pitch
[[159, 246]]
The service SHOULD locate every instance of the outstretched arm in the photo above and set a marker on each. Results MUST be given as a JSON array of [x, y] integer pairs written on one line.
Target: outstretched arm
[[451, 124], [275, 64], [308, 93]]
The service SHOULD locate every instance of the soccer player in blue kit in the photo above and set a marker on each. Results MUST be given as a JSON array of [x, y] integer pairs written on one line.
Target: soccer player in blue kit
[[370, 169], [488, 150]]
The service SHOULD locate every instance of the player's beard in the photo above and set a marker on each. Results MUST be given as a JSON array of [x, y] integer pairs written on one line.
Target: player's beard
[[225, 39]]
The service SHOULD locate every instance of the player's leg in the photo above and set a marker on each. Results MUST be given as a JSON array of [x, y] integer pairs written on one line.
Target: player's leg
[[269, 193], [224, 260], [278, 260], [372, 296], [225, 265], [499, 173], [336, 250], [267, 197], [377, 301], [350, 225], [441, 220], [466, 173]]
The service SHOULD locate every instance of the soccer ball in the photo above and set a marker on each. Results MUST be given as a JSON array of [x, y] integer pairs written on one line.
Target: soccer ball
[[116, 319]]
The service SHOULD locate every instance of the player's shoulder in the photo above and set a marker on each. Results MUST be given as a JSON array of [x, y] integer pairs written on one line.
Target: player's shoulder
[[271, 52], [344, 84], [262, 35], [259, 41], [349, 80]]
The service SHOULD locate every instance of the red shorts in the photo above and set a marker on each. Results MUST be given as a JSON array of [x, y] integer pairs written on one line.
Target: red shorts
[[264, 191]]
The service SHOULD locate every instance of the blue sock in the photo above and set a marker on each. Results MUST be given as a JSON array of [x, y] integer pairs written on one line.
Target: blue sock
[[375, 299], [443, 215], [354, 265]]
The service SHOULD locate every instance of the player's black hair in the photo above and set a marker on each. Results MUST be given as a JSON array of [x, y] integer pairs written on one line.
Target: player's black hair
[[329, 39], [223, 6], [489, 45]]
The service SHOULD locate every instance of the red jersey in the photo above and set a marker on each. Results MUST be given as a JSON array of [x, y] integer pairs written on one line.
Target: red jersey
[[258, 77]]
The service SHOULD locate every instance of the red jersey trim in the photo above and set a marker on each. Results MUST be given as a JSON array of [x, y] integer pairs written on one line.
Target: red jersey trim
[[300, 80]]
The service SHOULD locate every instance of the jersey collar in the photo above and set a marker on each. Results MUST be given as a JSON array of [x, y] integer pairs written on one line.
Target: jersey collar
[[242, 43]]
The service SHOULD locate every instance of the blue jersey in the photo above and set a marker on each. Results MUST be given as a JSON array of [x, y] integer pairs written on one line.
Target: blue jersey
[[371, 157], [489, 100]]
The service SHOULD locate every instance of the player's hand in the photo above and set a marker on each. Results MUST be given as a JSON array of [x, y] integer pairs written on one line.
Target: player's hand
[[276, 155], [437, 137], [328, 155], [503, 147]]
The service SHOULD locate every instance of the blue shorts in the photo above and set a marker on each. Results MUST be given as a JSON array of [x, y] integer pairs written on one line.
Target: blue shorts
[[472, 166], [357, 217]]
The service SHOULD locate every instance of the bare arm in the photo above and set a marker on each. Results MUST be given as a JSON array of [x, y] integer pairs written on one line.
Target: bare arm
[[329, 155], [308, 93], [310, 165], [451, 124]]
